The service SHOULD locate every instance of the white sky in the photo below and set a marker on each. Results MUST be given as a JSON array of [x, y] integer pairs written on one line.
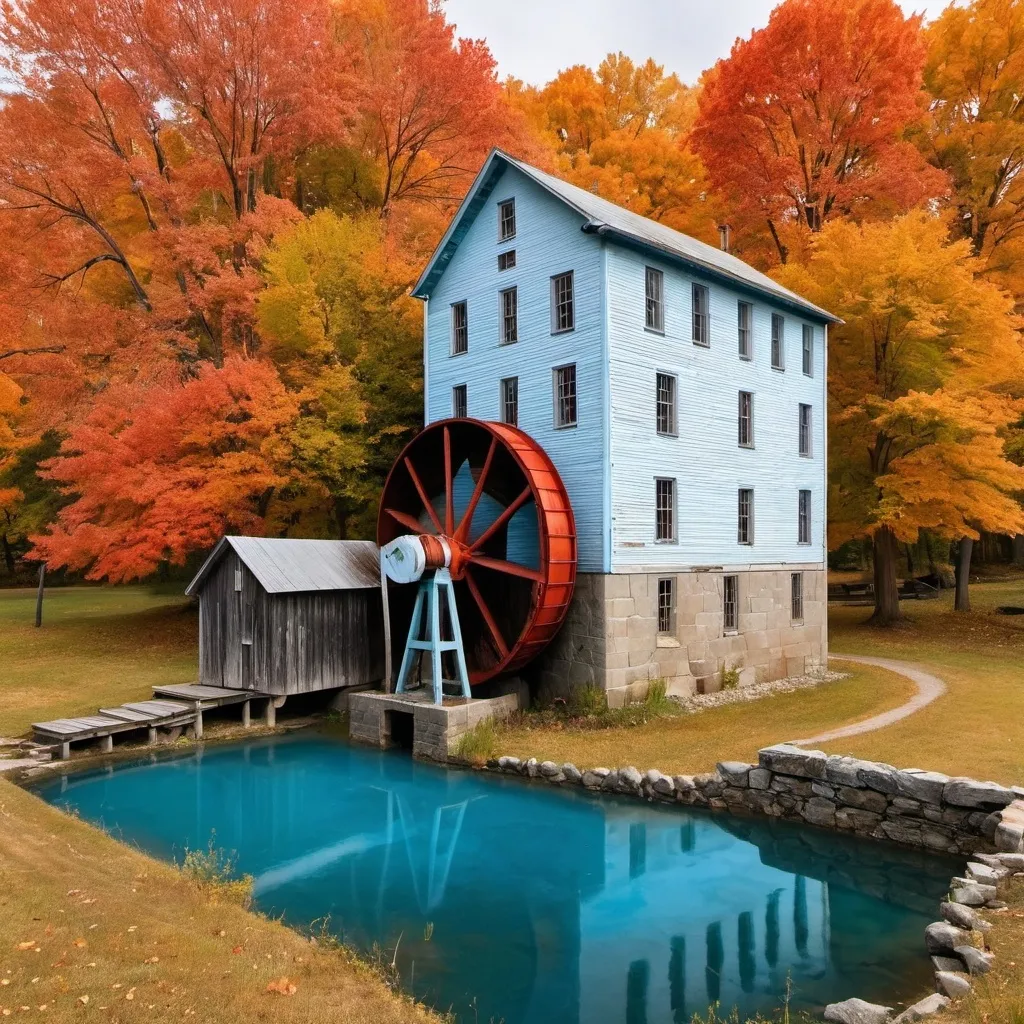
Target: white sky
[[535, 39]]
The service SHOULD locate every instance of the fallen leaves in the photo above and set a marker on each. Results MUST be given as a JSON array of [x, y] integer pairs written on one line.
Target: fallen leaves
[[80, 943], [282, 986], [237, 949], [84, 1000], [29, 944], [152, 960]]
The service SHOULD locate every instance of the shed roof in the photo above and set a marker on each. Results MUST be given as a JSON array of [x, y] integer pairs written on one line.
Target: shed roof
[[616, 223], [287, 565]]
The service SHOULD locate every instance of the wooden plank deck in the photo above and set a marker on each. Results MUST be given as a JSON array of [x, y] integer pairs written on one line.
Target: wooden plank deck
[[207, 696]]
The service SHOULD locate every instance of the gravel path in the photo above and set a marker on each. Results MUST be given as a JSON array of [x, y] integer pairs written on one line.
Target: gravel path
[[928, 688]]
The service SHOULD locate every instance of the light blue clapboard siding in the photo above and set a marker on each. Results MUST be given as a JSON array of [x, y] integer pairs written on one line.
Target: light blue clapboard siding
[[705, 458], [548, 241]]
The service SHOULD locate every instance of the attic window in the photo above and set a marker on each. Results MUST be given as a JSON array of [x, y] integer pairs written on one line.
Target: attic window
[[507, 260], [506, 219]]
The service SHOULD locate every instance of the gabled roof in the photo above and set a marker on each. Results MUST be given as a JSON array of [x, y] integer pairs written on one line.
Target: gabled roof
[[287, 566], [617, 224]]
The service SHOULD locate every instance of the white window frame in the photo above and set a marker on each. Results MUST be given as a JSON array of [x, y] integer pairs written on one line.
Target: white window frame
[[749, 442], [666, 607], [731, 581], [508, 386], [778, 344], [558, 399], [654, 300], [508, 319], [796, 597], [745, 333], [701, 329], [805, 441], [557, 302], [807, 350], [748, 540], [453, 349], [456, 389], [503, 205], [506, 260], [673, 510], [672, 417], [803, 516]]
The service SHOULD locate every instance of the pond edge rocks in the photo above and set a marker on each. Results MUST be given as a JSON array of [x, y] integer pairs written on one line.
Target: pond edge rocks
[[907, 806]]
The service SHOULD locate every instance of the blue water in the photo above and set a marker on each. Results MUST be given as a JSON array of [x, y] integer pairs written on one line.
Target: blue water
[[527, 904]]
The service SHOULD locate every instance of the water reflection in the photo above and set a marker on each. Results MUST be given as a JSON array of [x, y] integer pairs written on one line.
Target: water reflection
[[537, 905]]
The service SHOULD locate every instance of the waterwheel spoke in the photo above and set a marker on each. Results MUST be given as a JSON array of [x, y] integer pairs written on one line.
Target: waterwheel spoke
[[505, 516], [466, 525], [406, 520], [423, 495], [485, 612], [500, 565], [449, 497]]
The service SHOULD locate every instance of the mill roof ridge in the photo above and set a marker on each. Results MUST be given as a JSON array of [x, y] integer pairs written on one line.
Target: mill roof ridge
[[617, 223]]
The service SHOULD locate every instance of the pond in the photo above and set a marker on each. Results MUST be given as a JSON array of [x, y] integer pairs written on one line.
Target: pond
[[529, 904]]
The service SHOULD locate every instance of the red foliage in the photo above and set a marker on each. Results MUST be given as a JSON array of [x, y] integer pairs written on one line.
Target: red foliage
[[805, 121]]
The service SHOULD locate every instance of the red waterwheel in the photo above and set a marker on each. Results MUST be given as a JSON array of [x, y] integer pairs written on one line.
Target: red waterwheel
[[492, 493]]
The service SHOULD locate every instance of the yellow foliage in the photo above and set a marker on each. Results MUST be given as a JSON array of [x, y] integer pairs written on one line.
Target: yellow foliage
[[918, 405]]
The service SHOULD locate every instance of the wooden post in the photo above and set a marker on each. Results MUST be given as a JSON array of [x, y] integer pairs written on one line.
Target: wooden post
[[270, 717], [198, 727], [387, 627], [39, 594], [107, 743], [246, 720], [65, 750], [151, 734]]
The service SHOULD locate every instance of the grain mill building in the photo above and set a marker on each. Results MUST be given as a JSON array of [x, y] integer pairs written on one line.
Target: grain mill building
[[680, 394], [285, 616]]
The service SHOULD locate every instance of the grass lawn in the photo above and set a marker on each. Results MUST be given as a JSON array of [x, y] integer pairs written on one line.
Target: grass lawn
[[687, 744], [93, 930], [977, 728], [97, 646]]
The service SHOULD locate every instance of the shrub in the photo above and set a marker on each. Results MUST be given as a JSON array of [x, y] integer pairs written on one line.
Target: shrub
[[479, 744], [587, 701], [730, 677], [213, 869]]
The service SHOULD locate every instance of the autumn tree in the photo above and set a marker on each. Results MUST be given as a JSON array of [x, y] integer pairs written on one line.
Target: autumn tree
[[917, 423], [805, 121]]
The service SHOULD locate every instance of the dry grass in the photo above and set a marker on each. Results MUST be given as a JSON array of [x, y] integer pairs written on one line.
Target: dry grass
[[977, 728], [693, 743], [93, 930], [98, 646]]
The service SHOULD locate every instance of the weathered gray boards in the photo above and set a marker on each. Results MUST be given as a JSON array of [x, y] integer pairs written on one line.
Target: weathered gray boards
[[289, 616]]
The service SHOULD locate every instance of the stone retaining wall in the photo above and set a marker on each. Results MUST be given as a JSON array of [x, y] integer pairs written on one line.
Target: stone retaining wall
[[907, 806]]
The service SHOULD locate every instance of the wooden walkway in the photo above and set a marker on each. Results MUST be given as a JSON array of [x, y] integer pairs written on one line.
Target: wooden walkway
[[172, 709]]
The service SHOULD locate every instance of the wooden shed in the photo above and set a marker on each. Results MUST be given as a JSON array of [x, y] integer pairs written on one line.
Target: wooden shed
[[285, 616]]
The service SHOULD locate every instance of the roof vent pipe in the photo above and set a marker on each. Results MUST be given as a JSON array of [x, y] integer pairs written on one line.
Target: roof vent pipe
[[724, 237]]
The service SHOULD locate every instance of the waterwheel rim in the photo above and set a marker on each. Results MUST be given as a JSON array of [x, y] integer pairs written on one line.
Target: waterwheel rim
[[479, 485]]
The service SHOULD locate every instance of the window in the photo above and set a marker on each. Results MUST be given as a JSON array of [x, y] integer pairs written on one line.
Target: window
[[665, 405], [667, 605], [460, 401], [654, 293], [808, 350], [664, 510], [778, 342], [460, 329], [745, 516], [565, 395], [507, 260], [745, 316], [700, 315], [805, 430], [563, 314], [510, 401], [509, 316], [730, 603], [803, 524], [506, 220], [746, 420], [797, 592]]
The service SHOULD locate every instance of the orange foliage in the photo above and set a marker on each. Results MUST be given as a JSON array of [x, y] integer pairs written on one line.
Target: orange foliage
[[804, 122]]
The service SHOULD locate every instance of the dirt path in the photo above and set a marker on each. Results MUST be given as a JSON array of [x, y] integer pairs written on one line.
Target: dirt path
[[928, 688]]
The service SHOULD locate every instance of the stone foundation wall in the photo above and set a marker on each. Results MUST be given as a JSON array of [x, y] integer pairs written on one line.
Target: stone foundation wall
[[610, 637]]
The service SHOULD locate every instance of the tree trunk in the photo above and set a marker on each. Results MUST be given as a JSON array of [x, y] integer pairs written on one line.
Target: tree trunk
[[962, 601], [887, 597], [39, 594], [9, 554], [1018, 549]]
